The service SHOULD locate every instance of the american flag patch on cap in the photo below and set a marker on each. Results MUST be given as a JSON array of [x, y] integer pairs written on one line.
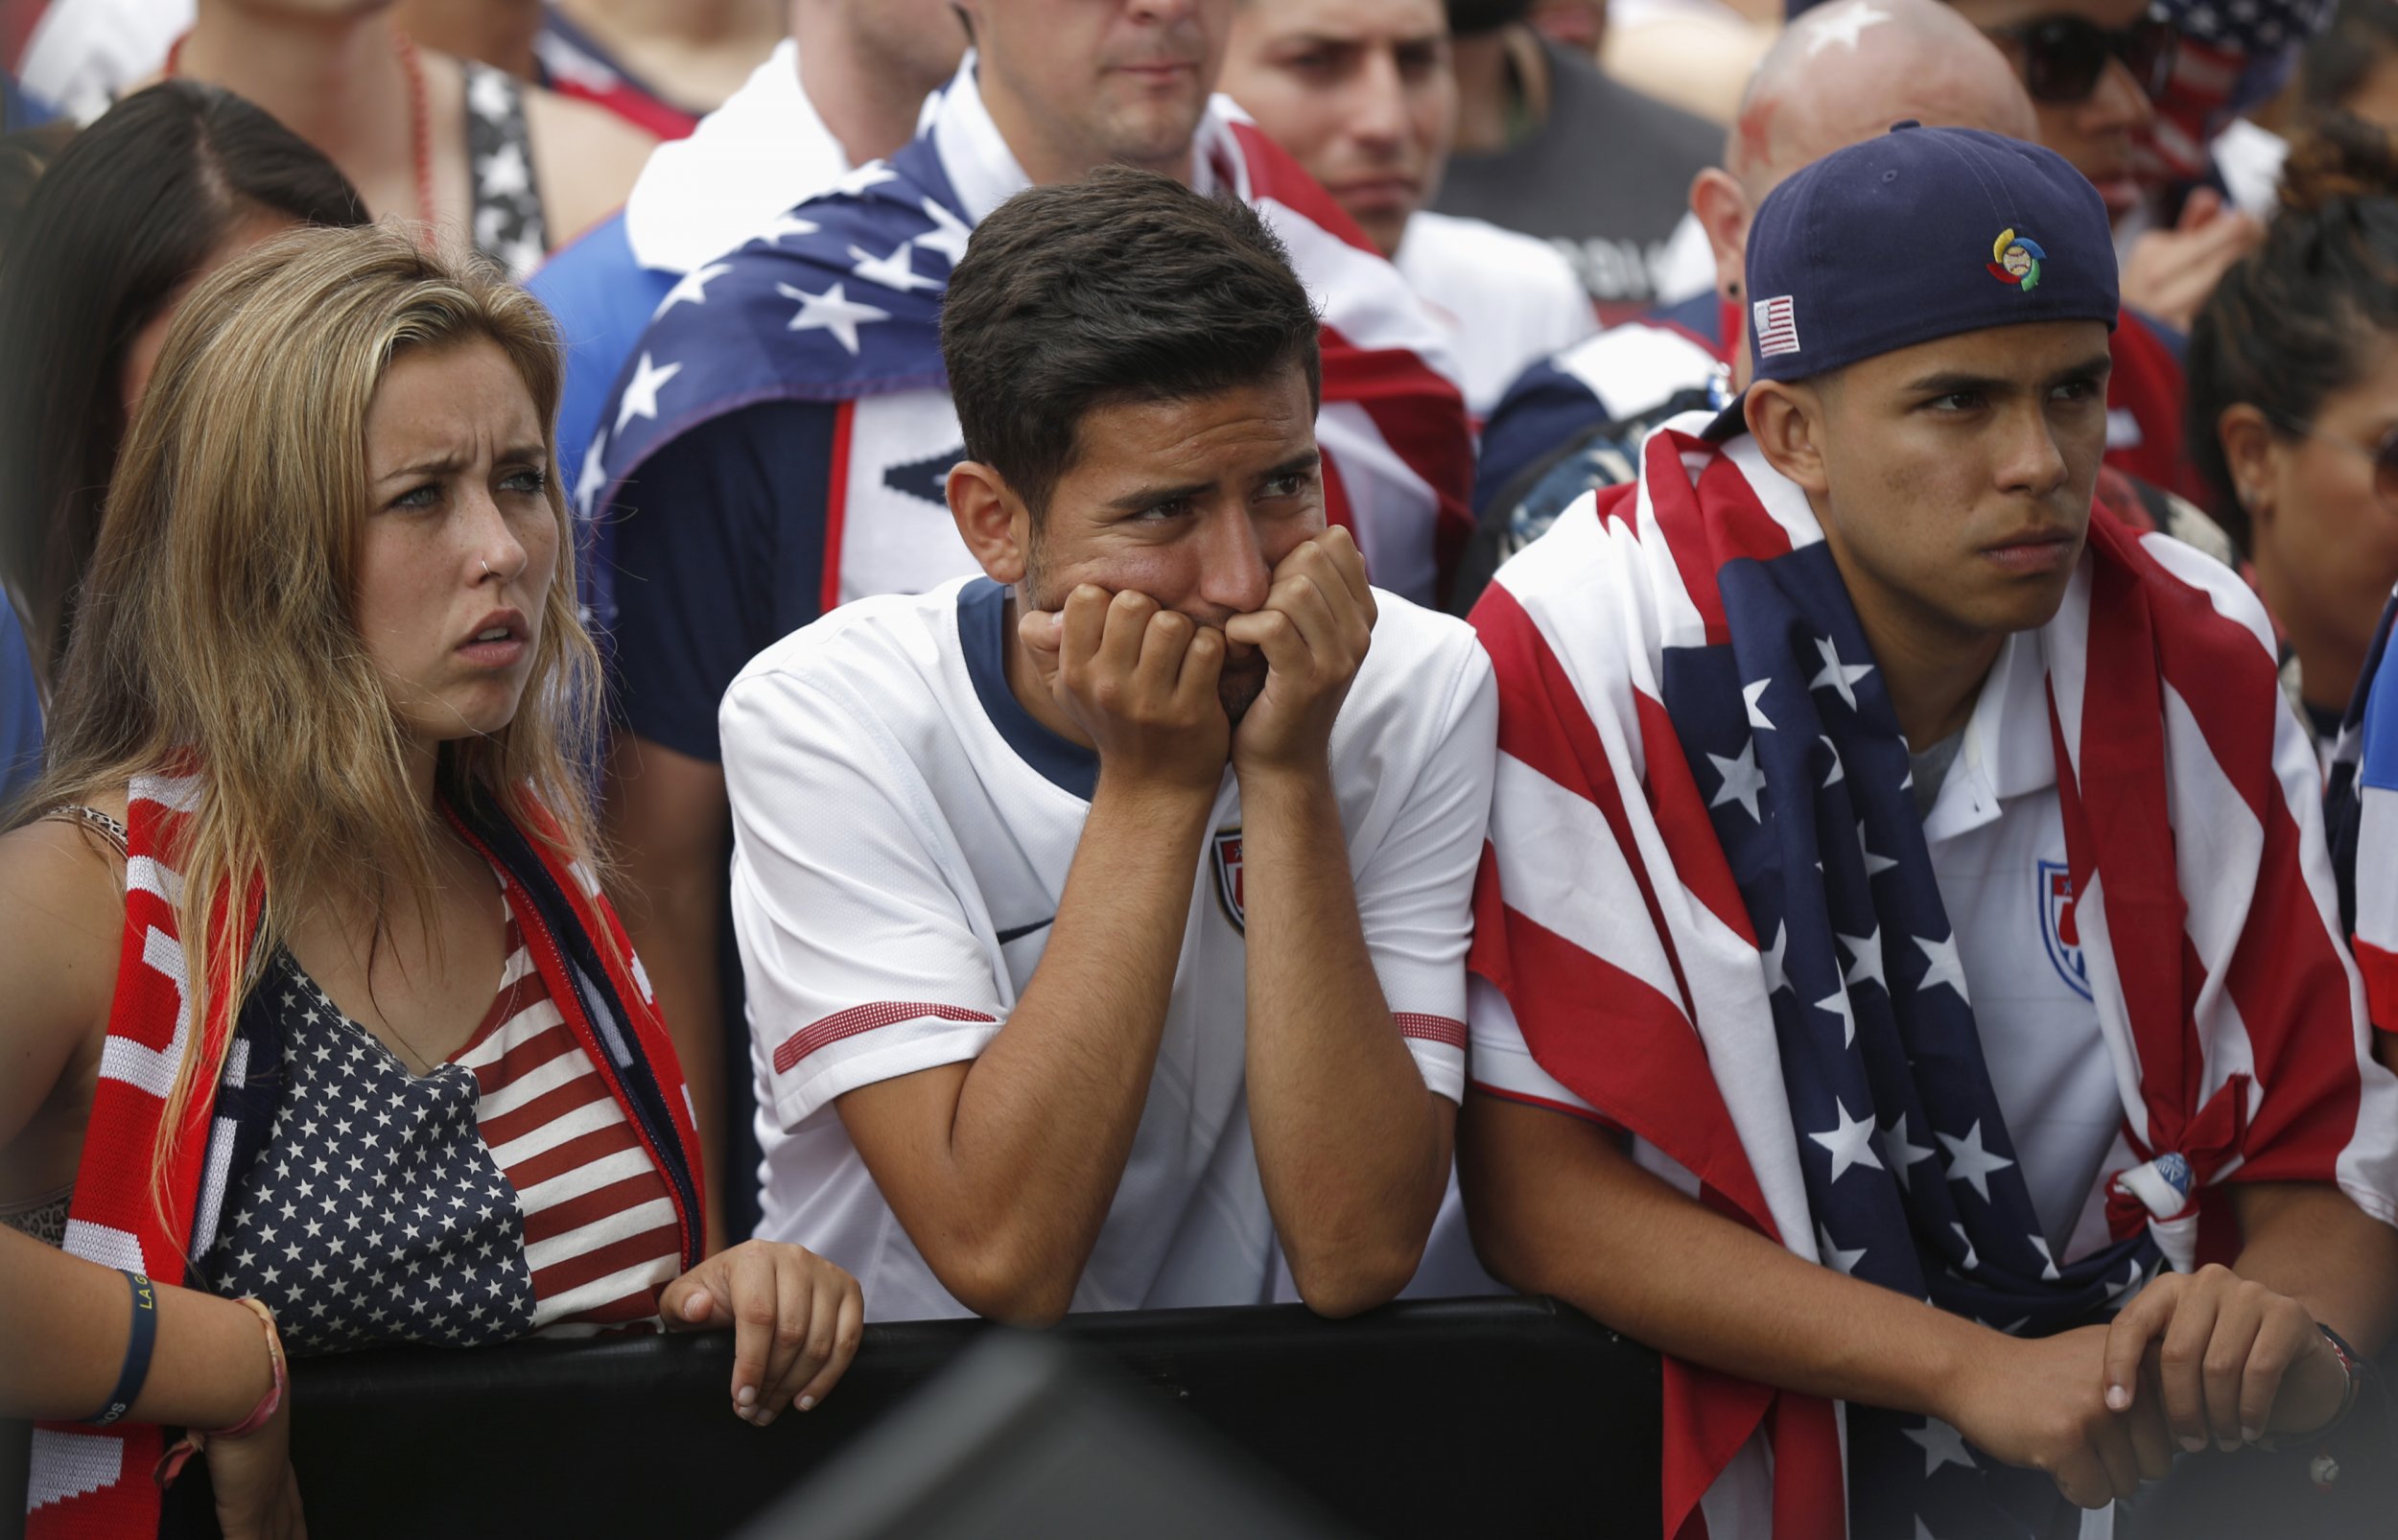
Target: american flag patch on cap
[[1777, 327]]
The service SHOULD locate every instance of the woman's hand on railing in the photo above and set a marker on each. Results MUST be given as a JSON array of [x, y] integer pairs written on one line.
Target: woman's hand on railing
[[795, 1319]]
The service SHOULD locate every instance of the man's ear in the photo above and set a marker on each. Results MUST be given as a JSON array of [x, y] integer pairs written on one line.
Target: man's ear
[[1721, 210], [991, 520], [1787, 421]]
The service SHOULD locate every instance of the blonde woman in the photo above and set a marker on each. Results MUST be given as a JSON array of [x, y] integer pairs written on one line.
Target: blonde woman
[[309, 995]]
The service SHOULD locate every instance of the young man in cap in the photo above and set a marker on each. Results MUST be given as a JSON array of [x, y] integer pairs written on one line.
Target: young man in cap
[[1104, 916], [1837, 74], [1908, 937]]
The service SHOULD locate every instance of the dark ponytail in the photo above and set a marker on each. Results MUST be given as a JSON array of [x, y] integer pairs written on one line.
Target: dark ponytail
[[115, 225], [2302, 317]]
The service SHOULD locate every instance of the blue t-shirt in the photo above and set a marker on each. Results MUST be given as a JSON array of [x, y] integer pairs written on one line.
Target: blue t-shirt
[[602, 298], [717, 546]]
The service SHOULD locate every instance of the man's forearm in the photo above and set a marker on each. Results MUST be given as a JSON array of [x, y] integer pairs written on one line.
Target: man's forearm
[[1352, 1147], [1558, 1209], [1009, 1207], [2310, 1243]]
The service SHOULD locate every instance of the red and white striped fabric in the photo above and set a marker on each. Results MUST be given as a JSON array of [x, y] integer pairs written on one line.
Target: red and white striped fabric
[[601, 1237], [95, 1481], [1398, 452], [1610, 924]]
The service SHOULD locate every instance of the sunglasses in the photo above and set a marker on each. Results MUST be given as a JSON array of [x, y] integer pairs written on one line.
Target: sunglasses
[[2064, 56]]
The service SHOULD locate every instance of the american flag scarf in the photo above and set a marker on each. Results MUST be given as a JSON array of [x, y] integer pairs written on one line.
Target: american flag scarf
[[90, 1481], [840, 300], [1708, 900]]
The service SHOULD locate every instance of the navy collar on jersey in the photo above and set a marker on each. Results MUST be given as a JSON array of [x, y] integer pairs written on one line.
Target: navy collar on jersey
[[982, 632]]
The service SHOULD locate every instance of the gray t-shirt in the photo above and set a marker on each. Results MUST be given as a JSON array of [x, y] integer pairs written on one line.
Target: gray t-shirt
[[1605, 180]]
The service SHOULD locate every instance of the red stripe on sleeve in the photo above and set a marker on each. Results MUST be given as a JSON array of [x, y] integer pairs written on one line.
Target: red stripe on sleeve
[[1430, 1029], [859, 1018]]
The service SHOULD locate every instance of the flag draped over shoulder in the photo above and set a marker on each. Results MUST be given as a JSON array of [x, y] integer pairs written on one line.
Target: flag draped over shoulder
[[97, 1482], [1709, 902], [840, 300]]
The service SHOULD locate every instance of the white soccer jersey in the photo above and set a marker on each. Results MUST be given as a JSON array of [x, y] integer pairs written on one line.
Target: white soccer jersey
[[902, 833]]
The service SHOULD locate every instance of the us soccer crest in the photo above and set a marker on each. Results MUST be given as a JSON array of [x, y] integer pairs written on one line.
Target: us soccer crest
[[2058, 929], [1225, 858]]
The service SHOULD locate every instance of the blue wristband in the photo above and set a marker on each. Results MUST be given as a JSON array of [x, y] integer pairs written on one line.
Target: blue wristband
[[137, 1352]]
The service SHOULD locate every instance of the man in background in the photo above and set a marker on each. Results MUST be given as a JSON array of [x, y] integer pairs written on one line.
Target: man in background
[[1839, 75], [845, 86], [1549, 145], [1363, 95]]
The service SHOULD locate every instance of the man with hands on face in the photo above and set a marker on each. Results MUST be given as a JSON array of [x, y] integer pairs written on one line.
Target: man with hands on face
[[1104, 918], [1910, 969]]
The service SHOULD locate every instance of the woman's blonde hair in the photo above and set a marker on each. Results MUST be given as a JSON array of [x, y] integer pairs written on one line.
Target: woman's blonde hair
[[218, 625]]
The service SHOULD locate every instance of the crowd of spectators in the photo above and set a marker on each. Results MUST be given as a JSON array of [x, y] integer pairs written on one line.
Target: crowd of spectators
[[754, 664]]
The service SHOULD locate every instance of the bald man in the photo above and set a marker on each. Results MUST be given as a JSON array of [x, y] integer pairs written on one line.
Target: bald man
[[1838, 74]]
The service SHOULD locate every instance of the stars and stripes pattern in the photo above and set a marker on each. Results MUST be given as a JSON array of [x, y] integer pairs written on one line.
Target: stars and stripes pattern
[[373, 1214], [502, 1193], [599, 1233], [1709, 902], [2229, 56], [95, 1482], [839, 300], [1777, 327]]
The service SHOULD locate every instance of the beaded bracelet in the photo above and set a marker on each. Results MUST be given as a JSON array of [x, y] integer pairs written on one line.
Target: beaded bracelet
[[171, 1464], [137, 1349]]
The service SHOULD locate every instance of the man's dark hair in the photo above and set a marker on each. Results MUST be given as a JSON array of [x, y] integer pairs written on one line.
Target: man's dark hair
[[1124, 286]]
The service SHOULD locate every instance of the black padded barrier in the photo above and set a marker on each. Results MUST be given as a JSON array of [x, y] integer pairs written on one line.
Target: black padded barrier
[[1511, 1416]]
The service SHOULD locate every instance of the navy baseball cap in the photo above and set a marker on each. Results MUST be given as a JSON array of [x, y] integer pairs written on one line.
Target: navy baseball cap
[[1920, 234]]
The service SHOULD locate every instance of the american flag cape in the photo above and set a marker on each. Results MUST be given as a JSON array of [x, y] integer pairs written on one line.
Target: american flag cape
[[840, 300], [96, 1482], [1690, 721]]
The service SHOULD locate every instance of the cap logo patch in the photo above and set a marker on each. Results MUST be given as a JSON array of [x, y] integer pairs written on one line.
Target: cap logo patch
[[2015, 259], [1777, 327]]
